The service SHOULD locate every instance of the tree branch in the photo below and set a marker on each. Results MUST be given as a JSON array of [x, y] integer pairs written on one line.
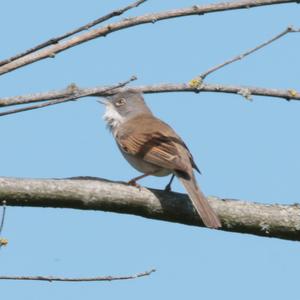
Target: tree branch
[[87, 26], [73, 92], [248, 52], [3, 242], [76, 94], [75, 279], [280, 221], [51, 51], [2, 217]]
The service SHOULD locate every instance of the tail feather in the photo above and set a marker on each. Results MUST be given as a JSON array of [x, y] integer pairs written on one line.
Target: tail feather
[[205, 211]]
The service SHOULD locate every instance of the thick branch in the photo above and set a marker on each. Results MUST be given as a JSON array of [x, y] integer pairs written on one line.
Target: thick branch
[[87, 26], [51, 51], [281, 221]]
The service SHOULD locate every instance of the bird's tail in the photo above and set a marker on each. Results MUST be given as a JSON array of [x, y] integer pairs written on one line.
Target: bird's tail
[[205, 211]]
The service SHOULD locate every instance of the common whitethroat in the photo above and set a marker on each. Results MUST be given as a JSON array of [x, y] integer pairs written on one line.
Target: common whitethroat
[[154, 148]]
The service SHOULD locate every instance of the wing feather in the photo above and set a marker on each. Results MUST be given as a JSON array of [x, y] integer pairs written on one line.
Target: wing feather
[[156, 143]]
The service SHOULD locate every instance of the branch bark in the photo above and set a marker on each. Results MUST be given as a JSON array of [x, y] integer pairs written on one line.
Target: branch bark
[[248, 52], [269, 220], [77, 279], [87, 26], [76, 94], [51, 51], [73, 90]]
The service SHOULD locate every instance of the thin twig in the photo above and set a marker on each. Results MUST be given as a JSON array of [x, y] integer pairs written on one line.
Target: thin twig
[[51, 51], [75, 279], [241, 56], [3, 215], [87, 26], [77, 94], [3, 242]]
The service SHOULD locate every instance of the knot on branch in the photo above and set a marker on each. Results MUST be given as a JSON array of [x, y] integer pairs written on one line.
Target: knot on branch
[[293, 93], [246, 93], [3, 242], [72, 88], [196, 83]]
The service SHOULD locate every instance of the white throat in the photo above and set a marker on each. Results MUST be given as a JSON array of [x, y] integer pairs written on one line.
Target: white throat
[[112, 118]]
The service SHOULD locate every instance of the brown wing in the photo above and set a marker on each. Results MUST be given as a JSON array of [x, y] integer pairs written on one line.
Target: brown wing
[[155, 142]]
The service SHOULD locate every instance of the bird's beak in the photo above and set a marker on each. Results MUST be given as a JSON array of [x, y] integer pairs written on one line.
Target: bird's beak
[[103, 101]]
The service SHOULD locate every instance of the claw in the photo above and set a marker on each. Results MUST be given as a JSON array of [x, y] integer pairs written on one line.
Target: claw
[[168, 188], [134, 183]]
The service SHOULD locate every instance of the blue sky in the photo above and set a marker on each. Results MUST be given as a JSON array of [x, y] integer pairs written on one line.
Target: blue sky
[[246, 150]]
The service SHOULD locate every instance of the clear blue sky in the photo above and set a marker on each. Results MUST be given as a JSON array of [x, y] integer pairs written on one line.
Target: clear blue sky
[[246, 150]]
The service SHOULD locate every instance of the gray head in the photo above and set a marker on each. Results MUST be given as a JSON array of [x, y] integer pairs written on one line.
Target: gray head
[[122, 107]]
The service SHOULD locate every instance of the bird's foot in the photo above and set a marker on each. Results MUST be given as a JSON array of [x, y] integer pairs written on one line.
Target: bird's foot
[[168, 188], [132, 182]]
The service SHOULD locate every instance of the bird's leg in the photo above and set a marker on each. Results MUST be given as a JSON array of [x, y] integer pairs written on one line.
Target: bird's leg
[[168, 186], [135, 179]]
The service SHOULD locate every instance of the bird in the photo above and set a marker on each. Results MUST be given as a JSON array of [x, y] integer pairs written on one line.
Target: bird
[[152, 147]]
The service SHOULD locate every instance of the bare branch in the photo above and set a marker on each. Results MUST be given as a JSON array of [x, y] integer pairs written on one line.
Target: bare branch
[[3, 216], [51, 51], [87, 26], [73, 92], [99, 278], [280, 221], [76, 94], [243, 55], [3, 242]]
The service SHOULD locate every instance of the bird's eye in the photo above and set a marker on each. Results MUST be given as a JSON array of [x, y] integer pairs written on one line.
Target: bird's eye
[[120, 102]]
